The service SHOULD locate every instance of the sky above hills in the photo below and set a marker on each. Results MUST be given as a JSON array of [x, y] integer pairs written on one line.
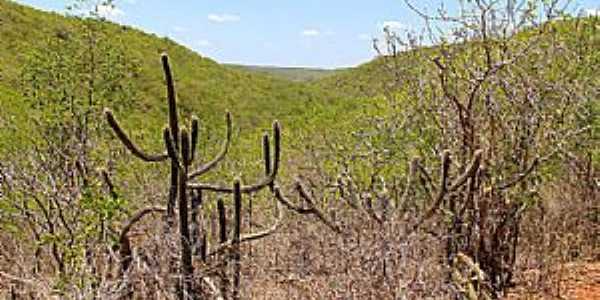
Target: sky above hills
[[313, 33]]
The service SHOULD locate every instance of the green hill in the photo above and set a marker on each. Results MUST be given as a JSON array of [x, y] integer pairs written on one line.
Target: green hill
[[204, 86]]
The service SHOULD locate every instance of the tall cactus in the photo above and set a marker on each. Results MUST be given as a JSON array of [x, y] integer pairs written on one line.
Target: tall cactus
[[180, 148]]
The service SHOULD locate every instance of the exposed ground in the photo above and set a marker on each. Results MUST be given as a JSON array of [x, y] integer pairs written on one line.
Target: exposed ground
[[578, 281]]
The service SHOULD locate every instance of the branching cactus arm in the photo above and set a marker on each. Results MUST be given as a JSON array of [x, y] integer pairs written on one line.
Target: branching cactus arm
[[180, 150], [224, 149], [135, 150], [246, 189], [170, 145]]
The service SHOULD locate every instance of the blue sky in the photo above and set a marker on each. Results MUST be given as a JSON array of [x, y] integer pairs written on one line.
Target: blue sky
[[315, 33]]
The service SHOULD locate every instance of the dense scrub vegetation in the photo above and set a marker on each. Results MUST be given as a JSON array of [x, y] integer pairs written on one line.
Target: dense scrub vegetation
[[445, 171]]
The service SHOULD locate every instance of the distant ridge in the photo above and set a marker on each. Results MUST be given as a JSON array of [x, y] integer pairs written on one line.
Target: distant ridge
[[297, 74]]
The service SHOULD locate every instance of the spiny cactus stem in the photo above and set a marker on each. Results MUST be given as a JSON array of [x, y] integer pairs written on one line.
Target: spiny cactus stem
[[198, 236], [170, 145], [224, 149], [172, 197], [185, 148], [174, 184], [223, 239], [171, 98], [267, 157], [277, 142], [237, 199], [128, 143], [194, 134], [222, 220], [267, 154], [184, 229]]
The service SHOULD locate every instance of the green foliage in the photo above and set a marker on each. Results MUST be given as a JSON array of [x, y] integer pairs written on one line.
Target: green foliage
[[74, 75]]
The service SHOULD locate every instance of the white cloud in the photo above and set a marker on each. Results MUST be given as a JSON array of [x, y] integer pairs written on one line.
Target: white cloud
[[311, 32], [223, 18], [592, 12], [392, 25], [203, 43], [109, 11]]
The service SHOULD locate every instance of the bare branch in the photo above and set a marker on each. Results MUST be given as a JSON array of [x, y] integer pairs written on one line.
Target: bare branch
[[213, 288], [109, 184], [124, 243], [138, 216], [519, 176], [312, 209], [469, 172]]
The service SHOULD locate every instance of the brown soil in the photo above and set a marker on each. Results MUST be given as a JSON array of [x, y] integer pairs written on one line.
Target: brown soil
[[580, 281]]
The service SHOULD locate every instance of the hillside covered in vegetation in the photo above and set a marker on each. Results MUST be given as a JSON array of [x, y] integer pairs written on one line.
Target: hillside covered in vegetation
[[204, 87], [453, 171]]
